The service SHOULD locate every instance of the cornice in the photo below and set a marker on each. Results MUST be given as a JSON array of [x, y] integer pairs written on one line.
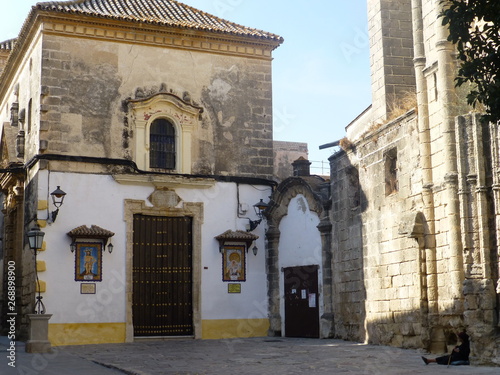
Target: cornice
[[156, 35], [39, 23], [165, 181], [187, 106]]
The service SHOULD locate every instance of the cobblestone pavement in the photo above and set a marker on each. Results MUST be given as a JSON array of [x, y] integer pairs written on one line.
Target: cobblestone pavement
[[253, 356]]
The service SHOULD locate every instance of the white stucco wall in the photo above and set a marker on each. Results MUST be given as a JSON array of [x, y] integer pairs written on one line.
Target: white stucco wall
[[99, 200], [90, 200]]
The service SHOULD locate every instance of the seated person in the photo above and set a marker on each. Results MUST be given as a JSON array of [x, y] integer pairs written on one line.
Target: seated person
[[459, 355]]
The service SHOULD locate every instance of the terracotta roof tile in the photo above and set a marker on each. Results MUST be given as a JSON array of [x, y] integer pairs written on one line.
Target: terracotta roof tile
[[93, 232], [237, 235], [160, 12]]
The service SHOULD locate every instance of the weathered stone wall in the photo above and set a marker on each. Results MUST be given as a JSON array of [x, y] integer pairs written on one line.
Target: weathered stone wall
[[378, 284], [391, 53], [87, 80], [480, 227], [24, 92], [427, 220], [18, 216], [348, 287]]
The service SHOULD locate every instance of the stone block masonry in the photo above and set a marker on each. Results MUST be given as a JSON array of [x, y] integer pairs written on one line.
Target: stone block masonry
[[391, 53]]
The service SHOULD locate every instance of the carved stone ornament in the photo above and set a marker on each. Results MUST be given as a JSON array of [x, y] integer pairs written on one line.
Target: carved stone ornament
[[164, 198], [14, 114]]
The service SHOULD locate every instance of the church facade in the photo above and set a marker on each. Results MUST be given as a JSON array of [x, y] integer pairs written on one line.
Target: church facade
[[159, 131], [155, 120]]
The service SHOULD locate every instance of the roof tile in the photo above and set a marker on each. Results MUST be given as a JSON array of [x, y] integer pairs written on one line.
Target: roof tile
[[237, 235], [94, 231], [160, 12]]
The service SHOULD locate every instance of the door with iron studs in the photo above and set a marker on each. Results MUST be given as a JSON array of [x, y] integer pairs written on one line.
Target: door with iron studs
[[162, 276]]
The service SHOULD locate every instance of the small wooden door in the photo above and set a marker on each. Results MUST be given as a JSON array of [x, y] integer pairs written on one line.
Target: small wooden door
[[162, 276], [301, 301]]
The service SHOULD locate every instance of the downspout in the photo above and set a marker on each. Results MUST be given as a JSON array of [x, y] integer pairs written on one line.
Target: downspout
[[445, 80], [428, 271]]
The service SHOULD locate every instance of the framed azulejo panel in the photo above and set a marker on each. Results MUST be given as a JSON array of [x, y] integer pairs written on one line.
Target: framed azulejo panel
[[88, 264], [233, 263]]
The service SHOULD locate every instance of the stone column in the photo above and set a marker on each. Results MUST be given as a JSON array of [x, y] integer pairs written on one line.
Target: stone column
[[446, 83], [495, 148], [429, 250], [481, 196], [273, 279], [326, 324]]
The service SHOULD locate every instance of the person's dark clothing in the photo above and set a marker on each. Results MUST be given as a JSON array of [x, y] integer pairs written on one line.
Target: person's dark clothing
[[461, 356]]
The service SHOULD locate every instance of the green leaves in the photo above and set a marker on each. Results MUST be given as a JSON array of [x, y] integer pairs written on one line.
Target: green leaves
[[474, 26]]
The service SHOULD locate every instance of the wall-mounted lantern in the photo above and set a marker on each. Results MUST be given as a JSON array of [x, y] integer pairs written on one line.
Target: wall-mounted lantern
[[259, 208], [57, 200], [254, 250], [35, 240]]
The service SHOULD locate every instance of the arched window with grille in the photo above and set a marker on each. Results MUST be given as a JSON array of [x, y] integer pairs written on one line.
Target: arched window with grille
[[162, 144], [162, 129]]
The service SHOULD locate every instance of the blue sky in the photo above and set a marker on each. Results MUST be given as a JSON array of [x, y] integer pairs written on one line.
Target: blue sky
[[321, 73]]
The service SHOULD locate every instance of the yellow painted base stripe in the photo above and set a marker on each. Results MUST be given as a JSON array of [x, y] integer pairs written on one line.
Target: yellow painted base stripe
[[86, 333], [234, 328]]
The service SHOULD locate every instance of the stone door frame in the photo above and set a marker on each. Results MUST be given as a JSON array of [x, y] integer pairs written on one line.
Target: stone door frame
[[194, 210], [278, 209]]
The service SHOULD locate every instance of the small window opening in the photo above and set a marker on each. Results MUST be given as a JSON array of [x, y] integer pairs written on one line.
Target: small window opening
[[436, 92], [30, 114], [391, 171], [162, 143]]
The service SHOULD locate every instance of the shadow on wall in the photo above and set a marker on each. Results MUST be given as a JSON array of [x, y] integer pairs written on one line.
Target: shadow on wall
[[385, 281], [348, 284], [379, 285]]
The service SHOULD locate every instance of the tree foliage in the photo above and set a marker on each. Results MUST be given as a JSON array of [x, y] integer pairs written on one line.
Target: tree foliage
[[474, 27]]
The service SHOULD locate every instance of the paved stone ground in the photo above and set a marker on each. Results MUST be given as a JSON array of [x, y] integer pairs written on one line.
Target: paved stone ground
[[256, 356]]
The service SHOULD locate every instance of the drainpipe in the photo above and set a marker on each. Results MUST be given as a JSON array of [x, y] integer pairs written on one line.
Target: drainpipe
[[445, 80], [429, 297]]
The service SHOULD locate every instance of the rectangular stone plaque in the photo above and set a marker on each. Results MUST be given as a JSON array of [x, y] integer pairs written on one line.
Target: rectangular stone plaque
[[87, 288], [234, 288]]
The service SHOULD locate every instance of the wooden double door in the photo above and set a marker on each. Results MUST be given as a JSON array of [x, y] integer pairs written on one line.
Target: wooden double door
[[301, 301], [162, 276]]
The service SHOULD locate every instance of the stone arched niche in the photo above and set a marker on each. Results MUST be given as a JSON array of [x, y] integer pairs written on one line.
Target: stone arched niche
[[305, 198]]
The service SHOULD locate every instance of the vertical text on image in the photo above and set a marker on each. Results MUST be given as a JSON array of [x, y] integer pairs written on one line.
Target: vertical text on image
[[11, 312]]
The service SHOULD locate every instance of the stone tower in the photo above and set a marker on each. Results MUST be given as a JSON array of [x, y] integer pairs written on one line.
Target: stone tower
[[391, 53]]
